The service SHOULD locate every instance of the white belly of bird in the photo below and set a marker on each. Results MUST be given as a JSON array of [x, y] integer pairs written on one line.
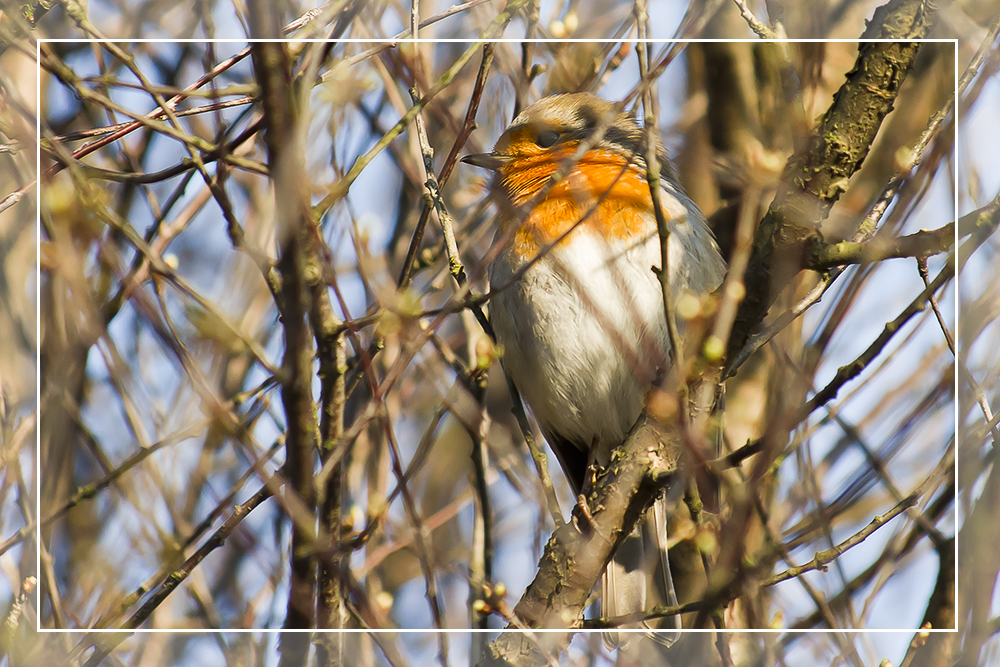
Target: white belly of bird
[[583, 334]]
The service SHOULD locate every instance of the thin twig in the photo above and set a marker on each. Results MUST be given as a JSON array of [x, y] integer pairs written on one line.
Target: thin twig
[[762, 30], [853, 369], [822, 558], [176, 578]]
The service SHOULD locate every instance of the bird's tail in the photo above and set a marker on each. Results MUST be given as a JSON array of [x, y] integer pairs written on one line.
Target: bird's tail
[[638, 579]]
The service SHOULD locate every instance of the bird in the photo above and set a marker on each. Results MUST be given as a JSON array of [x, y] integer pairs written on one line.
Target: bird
[[577, 308]]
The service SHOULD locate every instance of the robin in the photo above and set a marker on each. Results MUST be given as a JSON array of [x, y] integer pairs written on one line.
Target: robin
[[578, 309]]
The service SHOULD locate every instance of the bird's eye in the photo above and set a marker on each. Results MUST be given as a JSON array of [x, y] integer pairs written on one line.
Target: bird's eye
[[547, 138]]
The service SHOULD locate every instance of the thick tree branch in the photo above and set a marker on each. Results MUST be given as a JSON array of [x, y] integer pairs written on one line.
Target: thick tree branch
[[286, 155], [815, 178], [920, 244], [578, 551]]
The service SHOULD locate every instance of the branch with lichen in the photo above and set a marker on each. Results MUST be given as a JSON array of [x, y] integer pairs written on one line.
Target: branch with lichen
[[815, 178], [921, 244]]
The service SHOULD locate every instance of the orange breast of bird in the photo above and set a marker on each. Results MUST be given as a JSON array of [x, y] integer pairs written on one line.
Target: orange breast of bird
[[603, 194]]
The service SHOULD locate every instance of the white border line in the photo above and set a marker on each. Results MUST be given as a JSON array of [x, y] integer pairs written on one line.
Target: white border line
[[38, 335], [958, 295], [504, 40], [38, 352]]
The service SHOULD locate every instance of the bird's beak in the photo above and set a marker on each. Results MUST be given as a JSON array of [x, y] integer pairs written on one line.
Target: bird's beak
[[489, 161]]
